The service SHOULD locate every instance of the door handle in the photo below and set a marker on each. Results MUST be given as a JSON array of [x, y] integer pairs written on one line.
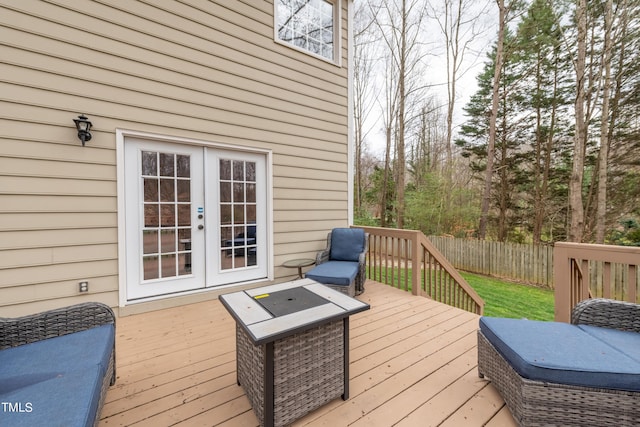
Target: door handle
[[200, 227]]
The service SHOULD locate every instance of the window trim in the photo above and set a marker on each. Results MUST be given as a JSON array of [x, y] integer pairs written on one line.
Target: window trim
[[337, 35]]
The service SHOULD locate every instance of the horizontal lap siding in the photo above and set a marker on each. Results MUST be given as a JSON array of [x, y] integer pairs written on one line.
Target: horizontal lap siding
[[207, 70]]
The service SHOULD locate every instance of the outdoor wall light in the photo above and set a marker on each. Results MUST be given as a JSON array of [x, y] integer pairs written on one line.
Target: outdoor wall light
[[84, 126]]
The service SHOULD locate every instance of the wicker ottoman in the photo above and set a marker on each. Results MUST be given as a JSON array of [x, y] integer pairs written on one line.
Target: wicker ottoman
[[552, 373], [292, 345]]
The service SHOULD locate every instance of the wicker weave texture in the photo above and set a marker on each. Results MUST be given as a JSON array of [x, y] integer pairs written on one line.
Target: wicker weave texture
[[58, 322], [348, 290], [607, 313], [308, 371], [53, 323], [536, 403]]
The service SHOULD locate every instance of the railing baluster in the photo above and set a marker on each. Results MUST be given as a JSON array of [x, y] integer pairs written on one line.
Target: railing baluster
[[633, 286], [417, 265], [606, 280]]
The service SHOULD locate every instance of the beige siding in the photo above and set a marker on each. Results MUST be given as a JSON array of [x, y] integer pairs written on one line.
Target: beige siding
[[208, 70]]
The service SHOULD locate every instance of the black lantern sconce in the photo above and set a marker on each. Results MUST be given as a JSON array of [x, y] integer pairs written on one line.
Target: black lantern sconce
[[84, 127]]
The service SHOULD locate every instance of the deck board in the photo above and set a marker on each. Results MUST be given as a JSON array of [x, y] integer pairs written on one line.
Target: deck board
[[413, 362]]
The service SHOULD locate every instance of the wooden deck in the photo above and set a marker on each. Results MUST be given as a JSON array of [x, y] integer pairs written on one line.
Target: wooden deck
[[413, 363]]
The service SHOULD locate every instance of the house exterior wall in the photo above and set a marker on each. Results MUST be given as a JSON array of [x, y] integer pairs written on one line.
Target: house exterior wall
[[193, 69]]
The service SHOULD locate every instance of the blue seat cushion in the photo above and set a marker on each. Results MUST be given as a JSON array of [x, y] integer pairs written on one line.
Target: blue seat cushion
[[567, 354], [334, 272], [625, 342], [346, 244], [61, 378]]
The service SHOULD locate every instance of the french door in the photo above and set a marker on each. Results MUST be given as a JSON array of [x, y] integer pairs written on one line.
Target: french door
[[195, 217]]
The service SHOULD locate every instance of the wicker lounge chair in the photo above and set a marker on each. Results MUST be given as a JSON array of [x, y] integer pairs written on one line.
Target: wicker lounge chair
[[59, 362], [341, 266], [551, 373]]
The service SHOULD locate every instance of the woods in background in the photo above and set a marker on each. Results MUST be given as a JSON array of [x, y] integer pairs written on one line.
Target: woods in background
[[546, 148]]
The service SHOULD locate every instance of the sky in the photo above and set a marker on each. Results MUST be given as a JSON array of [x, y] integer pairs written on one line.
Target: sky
[[435, 73]]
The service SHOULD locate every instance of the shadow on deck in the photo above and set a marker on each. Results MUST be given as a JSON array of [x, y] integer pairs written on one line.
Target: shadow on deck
[[413, 363]]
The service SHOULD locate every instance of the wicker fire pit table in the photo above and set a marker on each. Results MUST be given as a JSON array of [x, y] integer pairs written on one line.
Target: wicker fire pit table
[[292, 345]]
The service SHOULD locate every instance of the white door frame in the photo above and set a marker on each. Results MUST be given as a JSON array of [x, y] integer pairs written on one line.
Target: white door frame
[[121, 136]]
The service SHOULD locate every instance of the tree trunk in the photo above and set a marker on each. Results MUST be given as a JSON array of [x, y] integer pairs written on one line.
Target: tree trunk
[[401, 119], [385, 183], [603, 160], [576, 208], [486, 196]]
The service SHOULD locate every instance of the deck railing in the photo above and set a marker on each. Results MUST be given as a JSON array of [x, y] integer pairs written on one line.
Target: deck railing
[[407, 260], [583, 270]]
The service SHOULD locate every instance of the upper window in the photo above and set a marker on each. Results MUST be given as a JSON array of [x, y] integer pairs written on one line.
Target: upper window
[[308, 24]]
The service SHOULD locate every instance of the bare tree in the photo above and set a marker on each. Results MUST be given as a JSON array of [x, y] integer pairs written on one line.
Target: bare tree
[[495, 99], [576, 208], [460, 24], [364, 62], [603, 158], [399, 22], [388, 117]]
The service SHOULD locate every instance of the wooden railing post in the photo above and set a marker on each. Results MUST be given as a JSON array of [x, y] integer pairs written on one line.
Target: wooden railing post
[[416, 265], [563, 283]]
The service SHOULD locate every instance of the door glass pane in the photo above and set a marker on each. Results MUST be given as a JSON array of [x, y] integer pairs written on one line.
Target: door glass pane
[[225, 192], [150, 242], [183, 164], [251, 214], [237, 214], [238, 170], [150, 190], [168, 241], [150, 267], [168, 263], [225, 214], [167, 193], [167, 215], [225, 170], [251, 171], [149, 163], [184, 190], [184, 248], [251, 193], [166, 164]]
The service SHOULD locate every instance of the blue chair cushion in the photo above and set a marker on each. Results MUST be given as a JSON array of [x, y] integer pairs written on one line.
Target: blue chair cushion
[[334, 272], [60, 378], [346, 244], [567, 354]]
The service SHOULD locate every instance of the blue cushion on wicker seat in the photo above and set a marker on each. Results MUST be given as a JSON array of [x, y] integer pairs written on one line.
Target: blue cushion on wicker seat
[[69, 368], [567, 354], [334, 272], [346, 244]]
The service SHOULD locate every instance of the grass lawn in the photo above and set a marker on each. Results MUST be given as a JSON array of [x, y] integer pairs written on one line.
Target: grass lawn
[[502, 298], [506, 299]]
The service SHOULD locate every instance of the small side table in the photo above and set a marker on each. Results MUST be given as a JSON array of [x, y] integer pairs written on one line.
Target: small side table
[[299, 263]]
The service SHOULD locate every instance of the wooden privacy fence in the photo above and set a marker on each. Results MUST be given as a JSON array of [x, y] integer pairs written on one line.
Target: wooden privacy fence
[[407, 260], [531, 264]]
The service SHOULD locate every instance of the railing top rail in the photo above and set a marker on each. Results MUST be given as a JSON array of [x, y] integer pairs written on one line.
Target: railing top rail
[[424, 241], [391, 232], [595, 252]]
